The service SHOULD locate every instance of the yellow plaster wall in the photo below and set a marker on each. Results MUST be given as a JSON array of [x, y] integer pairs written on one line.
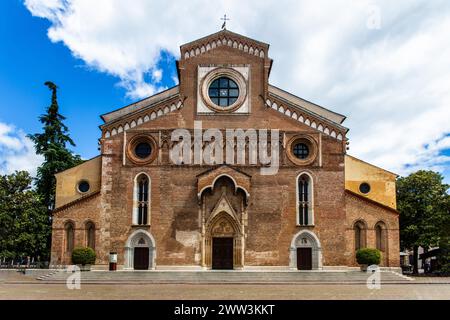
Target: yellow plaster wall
[[67, 181], [382, 182]]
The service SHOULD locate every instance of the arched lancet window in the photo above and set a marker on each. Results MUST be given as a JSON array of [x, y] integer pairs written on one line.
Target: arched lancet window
[[90, 235], [70, 236], [380, 236], [360, 235], [141, 200], [305, 204]]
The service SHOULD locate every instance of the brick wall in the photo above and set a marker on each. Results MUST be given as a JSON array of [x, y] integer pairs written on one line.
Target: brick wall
[[370, 213], [174, 206]]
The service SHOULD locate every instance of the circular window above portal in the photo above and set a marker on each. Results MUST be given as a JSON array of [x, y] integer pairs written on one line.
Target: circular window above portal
[[364, 188], [302, 150], [223, 90], [83, 186], [141, 149]]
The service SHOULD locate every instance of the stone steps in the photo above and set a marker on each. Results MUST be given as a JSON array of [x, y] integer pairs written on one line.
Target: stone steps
[[203, 277]]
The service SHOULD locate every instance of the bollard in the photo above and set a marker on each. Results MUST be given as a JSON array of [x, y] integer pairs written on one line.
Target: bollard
[[112, 261]]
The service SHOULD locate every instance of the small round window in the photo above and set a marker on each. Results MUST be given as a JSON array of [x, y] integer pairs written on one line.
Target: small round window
[[143, 150], [223, 92], [364, 187], [83, 186], [300, 150]]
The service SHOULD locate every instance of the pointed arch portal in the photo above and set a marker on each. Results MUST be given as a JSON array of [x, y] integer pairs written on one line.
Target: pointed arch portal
[[223, 242], [226, 191], [140, 251], [305, 251]]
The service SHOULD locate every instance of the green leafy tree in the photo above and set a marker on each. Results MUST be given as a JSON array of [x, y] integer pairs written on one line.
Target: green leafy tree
[[24, 225], [52, 144], [423, 205]]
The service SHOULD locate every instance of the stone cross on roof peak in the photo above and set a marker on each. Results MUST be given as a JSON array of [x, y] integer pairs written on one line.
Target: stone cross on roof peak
[[225, 19]]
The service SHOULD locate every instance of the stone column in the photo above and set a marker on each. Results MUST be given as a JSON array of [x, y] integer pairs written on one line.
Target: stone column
[[128, 263], [292, 258], [151, 260]]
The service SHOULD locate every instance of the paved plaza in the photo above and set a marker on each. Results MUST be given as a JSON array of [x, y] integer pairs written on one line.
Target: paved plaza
[[14, 285], [223, 292]]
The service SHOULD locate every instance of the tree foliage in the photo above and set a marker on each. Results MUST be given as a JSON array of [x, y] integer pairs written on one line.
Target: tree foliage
[[24, 223], [444, 241], [52, 144], [423, 203]]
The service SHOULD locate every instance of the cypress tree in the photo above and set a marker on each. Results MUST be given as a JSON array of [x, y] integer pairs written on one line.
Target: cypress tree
[[52, 144]]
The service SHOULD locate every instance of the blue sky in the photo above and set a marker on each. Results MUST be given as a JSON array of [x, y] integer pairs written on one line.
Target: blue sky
[[28, 59], [383, 65]]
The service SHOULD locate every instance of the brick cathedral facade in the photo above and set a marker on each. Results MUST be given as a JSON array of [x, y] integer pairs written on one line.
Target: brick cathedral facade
[[159, 211]]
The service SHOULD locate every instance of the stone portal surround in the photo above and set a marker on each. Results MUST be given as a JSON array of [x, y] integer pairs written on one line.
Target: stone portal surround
[[306, 239], [133, 242]]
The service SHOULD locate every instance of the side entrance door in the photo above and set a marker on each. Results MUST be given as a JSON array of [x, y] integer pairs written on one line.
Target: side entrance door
[[304, 258]]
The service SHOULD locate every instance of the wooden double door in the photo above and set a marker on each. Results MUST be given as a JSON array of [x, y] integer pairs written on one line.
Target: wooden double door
[[141, 258], [304, 258], [222, 253]]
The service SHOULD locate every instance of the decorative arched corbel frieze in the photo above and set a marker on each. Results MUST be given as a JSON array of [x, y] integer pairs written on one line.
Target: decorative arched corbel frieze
[[141, 118], [305, 119], [201, 48]]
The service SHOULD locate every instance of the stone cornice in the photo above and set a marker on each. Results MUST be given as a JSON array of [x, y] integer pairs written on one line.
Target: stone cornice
[[75, 202], [138, 105], [370, 201], [308, 105], [306, 117], [141, 116]]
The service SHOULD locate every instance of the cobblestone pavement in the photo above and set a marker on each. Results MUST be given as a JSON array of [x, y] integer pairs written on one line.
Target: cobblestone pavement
[[36, 290]]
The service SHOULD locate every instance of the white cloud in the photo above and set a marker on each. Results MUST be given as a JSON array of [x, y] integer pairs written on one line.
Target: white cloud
[[8, 141], [392, 82], [175, 80], [17, 151], [157, 75]]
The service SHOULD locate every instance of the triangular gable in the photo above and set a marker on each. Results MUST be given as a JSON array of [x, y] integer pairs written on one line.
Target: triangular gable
[[223, 205], [221, 34], [224, 38], [301, 110]]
